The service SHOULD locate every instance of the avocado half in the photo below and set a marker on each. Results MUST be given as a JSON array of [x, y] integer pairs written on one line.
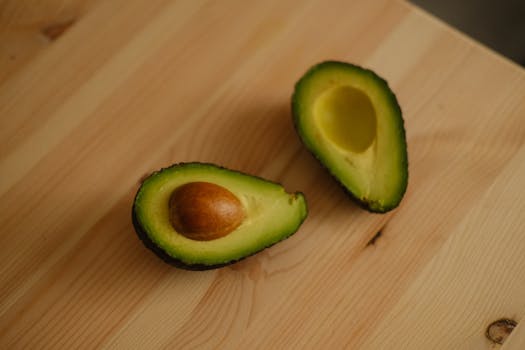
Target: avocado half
[[350, 120], [269, 215]]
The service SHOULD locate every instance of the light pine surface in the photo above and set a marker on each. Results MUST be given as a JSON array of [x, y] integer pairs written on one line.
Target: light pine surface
[[133, 86], [29, 26]]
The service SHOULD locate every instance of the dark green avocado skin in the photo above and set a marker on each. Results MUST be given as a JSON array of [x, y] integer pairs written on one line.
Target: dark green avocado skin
[[141, 233], [366, 205]]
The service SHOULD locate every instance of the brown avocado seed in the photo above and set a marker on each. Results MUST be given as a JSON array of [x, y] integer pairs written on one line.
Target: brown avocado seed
[[204, 211]]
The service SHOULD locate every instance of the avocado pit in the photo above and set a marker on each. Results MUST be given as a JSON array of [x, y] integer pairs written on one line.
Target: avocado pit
[[204, 211]]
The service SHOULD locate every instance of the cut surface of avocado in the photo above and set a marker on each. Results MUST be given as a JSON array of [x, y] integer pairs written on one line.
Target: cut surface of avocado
[[221, 215], [349, 118]]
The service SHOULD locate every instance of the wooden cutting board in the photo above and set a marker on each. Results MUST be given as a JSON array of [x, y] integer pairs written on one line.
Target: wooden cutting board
[[95, 95]]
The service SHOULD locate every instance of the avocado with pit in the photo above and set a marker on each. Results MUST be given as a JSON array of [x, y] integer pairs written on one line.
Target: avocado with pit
[[202, 216], [349, 118]]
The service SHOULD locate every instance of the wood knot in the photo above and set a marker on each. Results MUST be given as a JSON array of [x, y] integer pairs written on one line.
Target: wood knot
[[498, 331], [53, 31], [372, 241]]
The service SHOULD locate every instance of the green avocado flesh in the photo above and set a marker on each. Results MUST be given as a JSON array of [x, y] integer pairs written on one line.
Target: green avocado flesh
[[271, 215], [348, 117]]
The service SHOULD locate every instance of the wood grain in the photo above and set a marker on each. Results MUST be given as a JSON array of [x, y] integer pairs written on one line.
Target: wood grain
[[134, 88], [28, 27], [516, 340]]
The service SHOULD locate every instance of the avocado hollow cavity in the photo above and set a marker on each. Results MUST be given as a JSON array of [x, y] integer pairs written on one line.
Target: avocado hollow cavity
[[351, 121], [204, 211], [346, 117]]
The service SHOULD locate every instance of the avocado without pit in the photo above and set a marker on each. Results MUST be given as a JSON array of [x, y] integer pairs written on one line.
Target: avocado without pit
[[350, 120], [201, 216]]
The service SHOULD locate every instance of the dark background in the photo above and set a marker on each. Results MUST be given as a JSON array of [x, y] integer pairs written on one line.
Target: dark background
[[499, 25]]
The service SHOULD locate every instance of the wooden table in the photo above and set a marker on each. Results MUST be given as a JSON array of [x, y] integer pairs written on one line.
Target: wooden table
[[95, 94]]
